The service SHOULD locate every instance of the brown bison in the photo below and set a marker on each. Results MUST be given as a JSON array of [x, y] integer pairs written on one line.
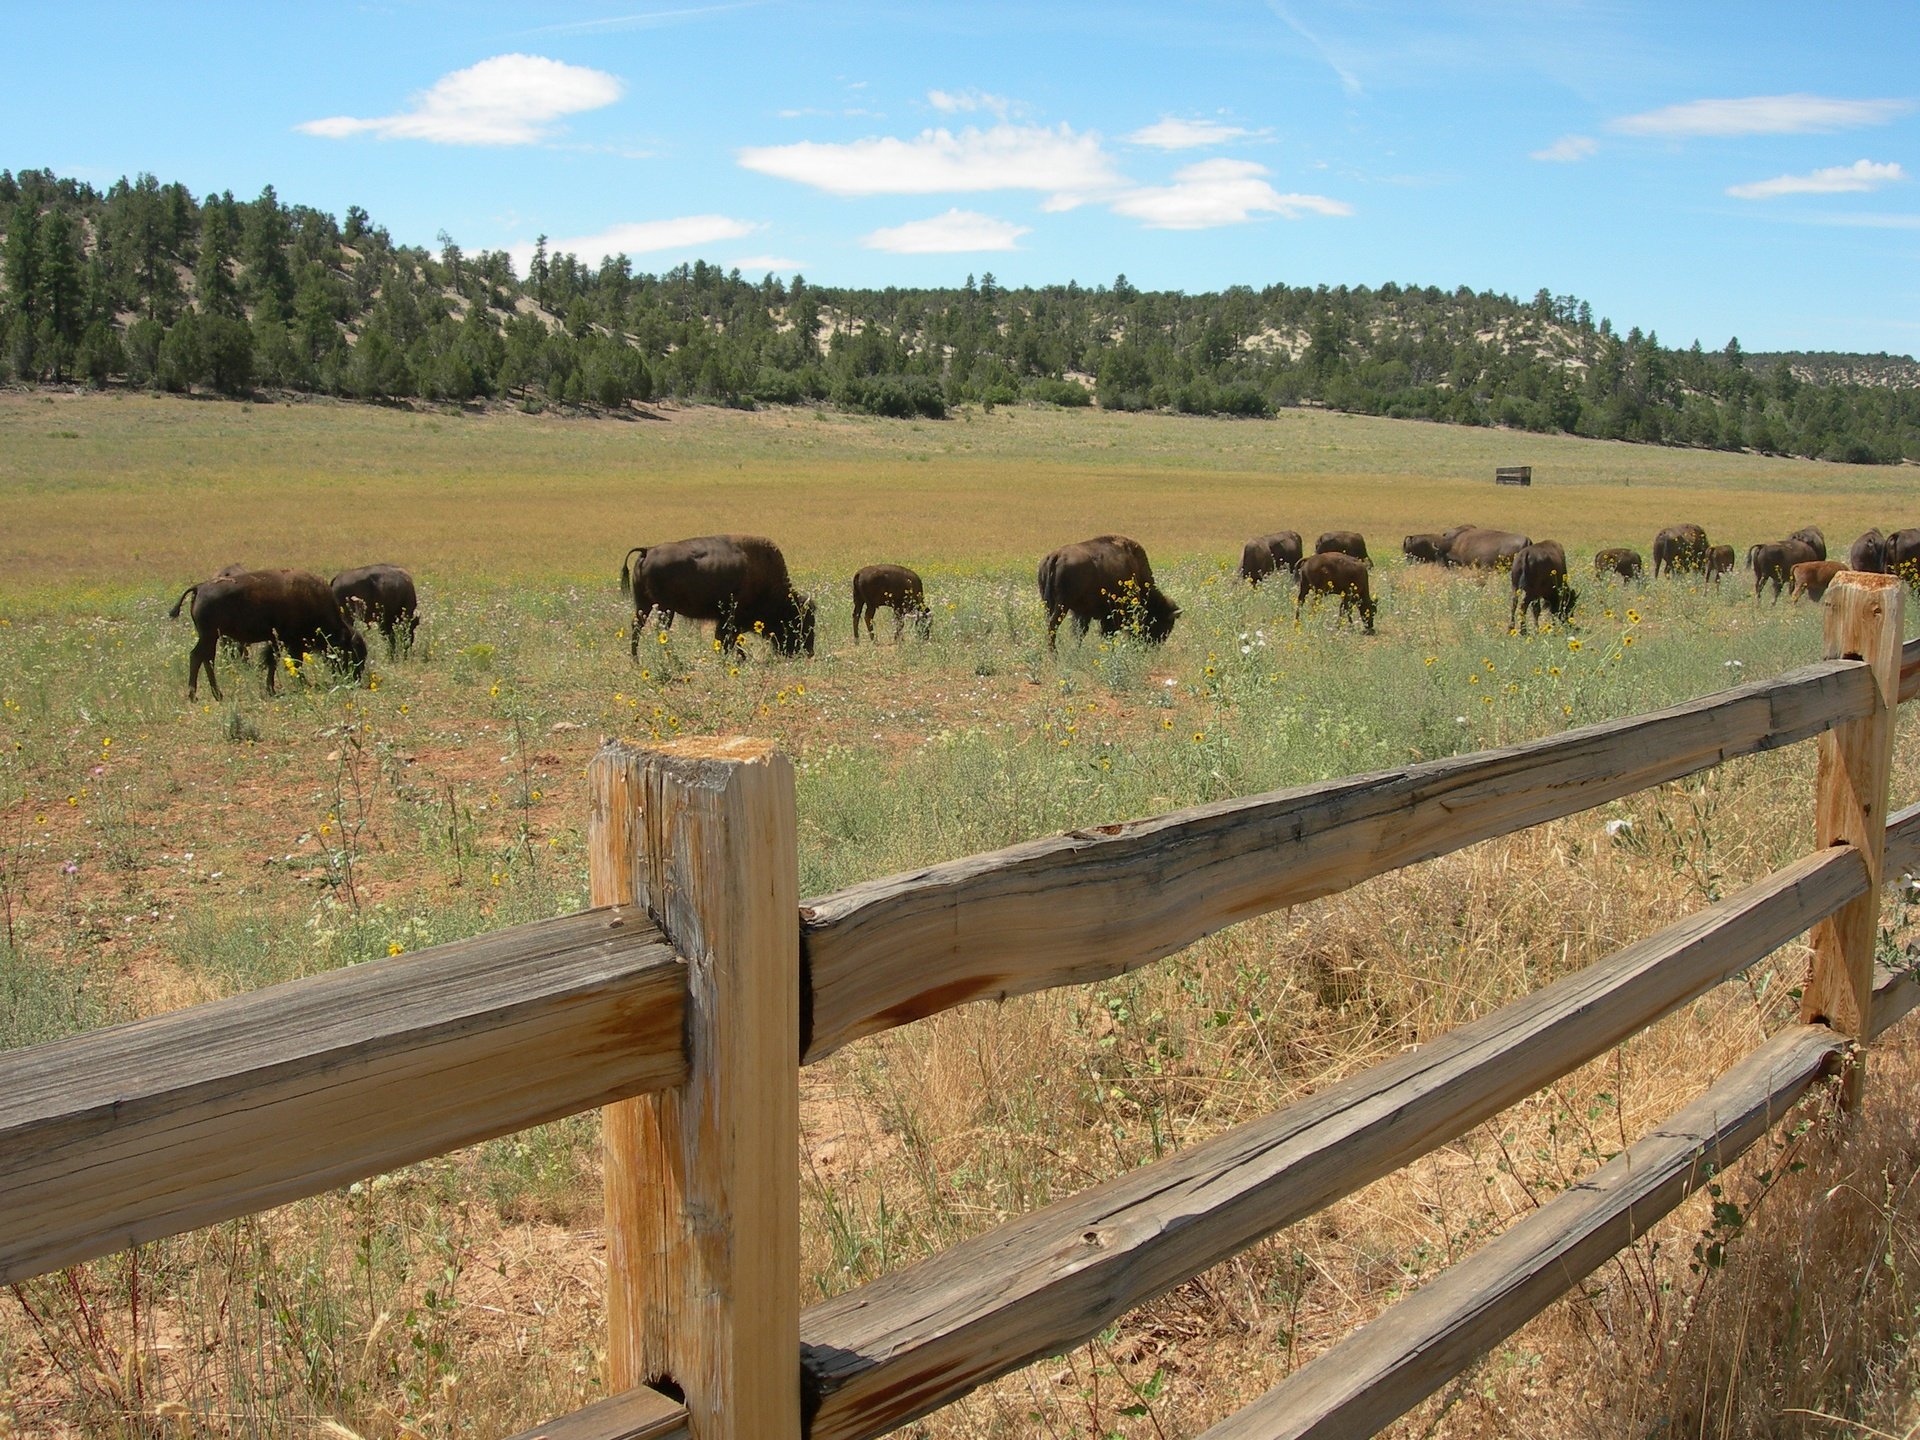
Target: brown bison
[[1679, 547], [739, 582], [1868, 553], [1108, 579], [1539, 575], [382, 595], [1334, 572], [1903, 555], [1774, 560], [1427, 549], [1620, 561], [1812, 577], [1720, 560], [1481, 549], [1342, 542], [1264, 554], [1813, 540], [897, 588], [288, 609]]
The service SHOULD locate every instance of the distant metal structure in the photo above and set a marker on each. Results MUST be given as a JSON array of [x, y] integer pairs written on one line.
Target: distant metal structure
[[1513, 475]]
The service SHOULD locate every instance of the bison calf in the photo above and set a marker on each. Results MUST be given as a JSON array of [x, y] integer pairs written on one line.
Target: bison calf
[[1618, 561], [1333, 572], [897, 588], [1812, 577]]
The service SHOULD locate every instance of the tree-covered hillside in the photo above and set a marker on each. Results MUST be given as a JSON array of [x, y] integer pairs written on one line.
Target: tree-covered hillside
[[145, 285]]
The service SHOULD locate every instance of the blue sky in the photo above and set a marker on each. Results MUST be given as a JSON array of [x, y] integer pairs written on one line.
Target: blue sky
[[1701, 170]]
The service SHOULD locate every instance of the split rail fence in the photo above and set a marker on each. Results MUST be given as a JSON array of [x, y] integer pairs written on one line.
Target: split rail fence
[[687, 999]]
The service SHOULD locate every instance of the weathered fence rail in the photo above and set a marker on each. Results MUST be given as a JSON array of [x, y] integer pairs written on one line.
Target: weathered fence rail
[[687, 1000], [1094, 903]]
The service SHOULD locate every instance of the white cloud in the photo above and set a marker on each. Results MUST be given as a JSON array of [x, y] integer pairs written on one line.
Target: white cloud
[[1005, 157], [1171, 133], [956, 232], [1566, 149], [965, 102], [1218, 192], [507, 100], [1834, 180], [1761, 115], [642, 237]]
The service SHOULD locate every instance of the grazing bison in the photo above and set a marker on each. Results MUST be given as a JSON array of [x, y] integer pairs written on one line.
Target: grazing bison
[[1342, 542], [1427, 549], [739, 582], [1812, 577], [1869, 553], [1539, 575], [1107, 579], [1479, 549], [1903, 555], [1263, 555], [1720, 560], [1618, 561], [1334, 572], [1813, 540], [285, 608], [897, 588], [383, 595], [1679, 547], [1774, 560]]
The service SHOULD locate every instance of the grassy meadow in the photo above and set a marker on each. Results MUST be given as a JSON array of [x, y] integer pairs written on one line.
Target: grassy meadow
[[155, 853]]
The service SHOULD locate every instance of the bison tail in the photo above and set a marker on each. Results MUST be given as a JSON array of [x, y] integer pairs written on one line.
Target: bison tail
[[174, 613], [1048, 579], [628, 569]]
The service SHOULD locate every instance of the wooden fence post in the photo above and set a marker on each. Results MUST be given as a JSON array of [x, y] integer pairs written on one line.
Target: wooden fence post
[[1864, 621], [702, 1183]]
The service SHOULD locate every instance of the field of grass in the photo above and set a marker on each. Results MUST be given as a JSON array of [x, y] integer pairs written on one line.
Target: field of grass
[[128, 491], [154, 853]]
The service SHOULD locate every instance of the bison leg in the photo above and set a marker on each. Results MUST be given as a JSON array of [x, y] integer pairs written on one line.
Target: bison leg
[[272, 656], [899, 623], [1054, 617], [202, 654], [856, 620]]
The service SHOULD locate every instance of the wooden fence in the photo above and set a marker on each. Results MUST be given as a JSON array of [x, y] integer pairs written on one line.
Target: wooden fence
[[686, 1000]]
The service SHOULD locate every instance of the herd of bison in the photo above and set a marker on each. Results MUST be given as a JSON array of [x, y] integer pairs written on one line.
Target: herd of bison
[[741, 584]]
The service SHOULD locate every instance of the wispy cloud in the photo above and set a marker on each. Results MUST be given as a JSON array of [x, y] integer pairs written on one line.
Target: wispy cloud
[[1567, 149], [1864, 222], [966, 102], [507, 100], [1761, 115], [1173, 133], [1834, 180], [642, 237], [1219, 192], [1349, 81], [956, 232], [1005, 157], [642, 20]]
